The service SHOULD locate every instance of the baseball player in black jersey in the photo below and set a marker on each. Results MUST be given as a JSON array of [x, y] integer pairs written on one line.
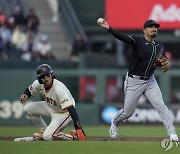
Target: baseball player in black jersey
[[146, 56]]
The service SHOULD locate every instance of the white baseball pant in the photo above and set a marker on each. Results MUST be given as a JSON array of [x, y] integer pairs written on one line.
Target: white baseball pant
[[58, 122]]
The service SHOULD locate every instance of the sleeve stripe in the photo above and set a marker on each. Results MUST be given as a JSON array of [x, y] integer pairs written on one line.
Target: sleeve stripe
[[67, 107], [132, 39]]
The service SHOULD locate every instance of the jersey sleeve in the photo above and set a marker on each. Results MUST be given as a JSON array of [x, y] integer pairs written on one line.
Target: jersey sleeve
[[65, 97], [125, 38], [34, 88]]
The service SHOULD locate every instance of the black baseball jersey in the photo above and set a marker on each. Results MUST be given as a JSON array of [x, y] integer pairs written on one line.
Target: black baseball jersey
[[143, 55]]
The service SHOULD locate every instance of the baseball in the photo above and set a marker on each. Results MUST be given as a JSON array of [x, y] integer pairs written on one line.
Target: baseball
[[100, 20]]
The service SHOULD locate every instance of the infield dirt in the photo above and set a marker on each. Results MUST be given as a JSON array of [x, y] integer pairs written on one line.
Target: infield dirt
[[130, 139]]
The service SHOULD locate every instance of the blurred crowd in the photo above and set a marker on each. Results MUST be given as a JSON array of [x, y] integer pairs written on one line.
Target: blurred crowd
[[20, 37]]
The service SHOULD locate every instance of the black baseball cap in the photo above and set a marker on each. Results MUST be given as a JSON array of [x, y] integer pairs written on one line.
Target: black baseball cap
[[149, 23]]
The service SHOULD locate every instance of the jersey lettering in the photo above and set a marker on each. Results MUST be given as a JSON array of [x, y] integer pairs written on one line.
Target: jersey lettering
[[50, 100]]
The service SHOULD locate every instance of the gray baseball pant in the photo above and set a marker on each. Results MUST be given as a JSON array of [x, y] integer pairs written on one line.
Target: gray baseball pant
[[133, 89]]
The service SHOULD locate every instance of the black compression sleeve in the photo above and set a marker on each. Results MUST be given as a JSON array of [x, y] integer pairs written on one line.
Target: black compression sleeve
[[74, 116], [121, 36], [27, 92]]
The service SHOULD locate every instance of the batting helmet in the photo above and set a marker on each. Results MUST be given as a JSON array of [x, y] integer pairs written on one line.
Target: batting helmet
[[42, 71]]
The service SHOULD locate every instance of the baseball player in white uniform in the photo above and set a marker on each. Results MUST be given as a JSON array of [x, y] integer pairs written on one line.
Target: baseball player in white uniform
[[58, 104]]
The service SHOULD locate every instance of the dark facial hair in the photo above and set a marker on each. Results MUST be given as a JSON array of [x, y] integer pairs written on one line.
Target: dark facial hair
[[154, 35]]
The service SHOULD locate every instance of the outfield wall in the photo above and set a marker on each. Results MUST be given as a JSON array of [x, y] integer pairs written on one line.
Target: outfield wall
[[13, 83], [12, 113]]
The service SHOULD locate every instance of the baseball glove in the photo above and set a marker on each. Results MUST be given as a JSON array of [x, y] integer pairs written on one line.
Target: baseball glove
[[163, 63]]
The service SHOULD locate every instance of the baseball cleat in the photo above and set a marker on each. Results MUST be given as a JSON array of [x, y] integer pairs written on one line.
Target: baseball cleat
[[113, 131], [174, 137], [22, 139], [38, 135], [74, 134]]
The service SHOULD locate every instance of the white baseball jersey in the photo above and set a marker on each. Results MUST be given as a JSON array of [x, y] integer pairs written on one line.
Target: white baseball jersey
[[58, 97]]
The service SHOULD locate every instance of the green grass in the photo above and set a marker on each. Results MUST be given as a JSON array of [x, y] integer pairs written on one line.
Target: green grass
[[96, 131], [83, 148], [89, 147]]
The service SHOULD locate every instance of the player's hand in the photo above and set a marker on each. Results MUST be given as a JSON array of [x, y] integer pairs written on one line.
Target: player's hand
[[81, 135], [23, 98], [157, 63], [103, 23], [164, 64]]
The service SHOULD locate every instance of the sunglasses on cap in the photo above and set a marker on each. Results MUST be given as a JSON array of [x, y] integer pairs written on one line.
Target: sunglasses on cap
[[45, 75]]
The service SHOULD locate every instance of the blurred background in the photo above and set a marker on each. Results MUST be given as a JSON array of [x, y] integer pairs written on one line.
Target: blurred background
[[85, 57]]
